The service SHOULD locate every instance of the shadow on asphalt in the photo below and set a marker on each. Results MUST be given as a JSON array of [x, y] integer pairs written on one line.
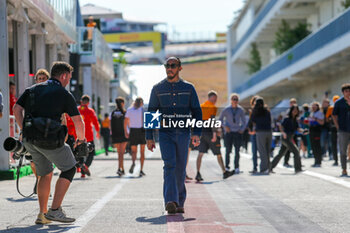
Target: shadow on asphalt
[[22, 199], [39, 228], [205, 182], [178, 218], [154, 221]]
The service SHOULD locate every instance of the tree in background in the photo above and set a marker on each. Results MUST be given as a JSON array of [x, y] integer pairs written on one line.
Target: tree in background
[[287, 37], [254, 64], [346, 3], [120, 59]]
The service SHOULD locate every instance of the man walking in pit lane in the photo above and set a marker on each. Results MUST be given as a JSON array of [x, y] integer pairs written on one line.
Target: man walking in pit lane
[[234, 123], [90, 119], [174, 96], [210, 137], [341, 118]]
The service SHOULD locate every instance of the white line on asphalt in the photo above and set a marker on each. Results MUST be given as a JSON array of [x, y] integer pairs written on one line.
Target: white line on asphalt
[[83, 220], [328, 178]]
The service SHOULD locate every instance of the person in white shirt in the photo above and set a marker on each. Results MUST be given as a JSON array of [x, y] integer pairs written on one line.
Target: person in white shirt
[[136, 134]]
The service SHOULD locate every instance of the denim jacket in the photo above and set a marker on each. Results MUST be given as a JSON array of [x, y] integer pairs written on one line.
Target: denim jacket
[[173, 99]]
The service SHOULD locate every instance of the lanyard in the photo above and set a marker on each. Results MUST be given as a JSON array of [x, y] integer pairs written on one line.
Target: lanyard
[[234, 115]]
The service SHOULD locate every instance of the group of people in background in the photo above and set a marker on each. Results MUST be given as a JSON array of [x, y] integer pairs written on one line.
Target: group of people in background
[[313, 131], [127, 128]]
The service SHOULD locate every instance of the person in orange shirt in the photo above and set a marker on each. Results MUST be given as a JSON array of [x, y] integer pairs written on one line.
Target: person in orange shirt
[[91, 24], [90, 120], [105, 132], [210, 137]]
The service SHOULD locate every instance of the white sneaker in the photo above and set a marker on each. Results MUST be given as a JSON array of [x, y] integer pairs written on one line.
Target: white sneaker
[[237, 171], [58, 215]]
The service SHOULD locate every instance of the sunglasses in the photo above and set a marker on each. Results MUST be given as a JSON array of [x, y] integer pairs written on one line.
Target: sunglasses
[[172, 66], [235, 99]]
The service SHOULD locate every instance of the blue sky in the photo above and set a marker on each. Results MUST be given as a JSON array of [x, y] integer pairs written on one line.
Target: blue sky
[[185, 16]]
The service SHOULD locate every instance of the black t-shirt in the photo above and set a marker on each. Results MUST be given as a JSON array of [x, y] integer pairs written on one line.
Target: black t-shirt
[[342, 110], [289, 125], [262, 122], [51, 100], [117, 123]]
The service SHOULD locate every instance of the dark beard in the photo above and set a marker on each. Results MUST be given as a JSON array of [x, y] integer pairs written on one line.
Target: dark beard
[[170, 77], [173, 76]]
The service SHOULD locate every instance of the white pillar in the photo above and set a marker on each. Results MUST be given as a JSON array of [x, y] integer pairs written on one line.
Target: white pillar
[[52, 54], [228, 62], [4, 85], [39, 52], [87, 81], [21, 48]]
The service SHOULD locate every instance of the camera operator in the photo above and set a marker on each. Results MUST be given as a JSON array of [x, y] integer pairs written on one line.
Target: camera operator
[[46, 102]]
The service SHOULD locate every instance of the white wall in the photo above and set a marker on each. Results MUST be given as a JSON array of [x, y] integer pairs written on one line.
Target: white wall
[[239, 75], [313, 21], [326, 11], [245, 22]]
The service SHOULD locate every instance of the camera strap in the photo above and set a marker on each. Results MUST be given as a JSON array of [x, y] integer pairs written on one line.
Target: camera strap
[[17, 180]]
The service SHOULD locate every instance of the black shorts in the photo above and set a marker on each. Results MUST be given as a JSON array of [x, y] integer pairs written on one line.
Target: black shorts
[[137, 136], [206, 143]]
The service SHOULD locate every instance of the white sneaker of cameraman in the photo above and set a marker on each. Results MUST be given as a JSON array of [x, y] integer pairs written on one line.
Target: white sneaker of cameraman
[[58, 215]]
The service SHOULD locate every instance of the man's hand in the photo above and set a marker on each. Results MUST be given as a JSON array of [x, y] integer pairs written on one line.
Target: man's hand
[[195, 140], [126, 134], [227, 129], [284, 135], [151, 145], [241, 131], [214, 138], [79, 142], [252, 132], [98, 135]]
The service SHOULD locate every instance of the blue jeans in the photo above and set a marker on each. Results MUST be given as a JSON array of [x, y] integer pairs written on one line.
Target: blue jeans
[[254, 152], [326, 142], [174, 149], [232, 139]]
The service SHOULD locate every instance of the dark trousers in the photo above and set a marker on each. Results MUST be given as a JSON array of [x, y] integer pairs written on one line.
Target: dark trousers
[[105, 132], [344, 141], [232, 139], [254, 152], [334, 146], [174, 149], [287, 156], [287, 146], [315, 138]]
